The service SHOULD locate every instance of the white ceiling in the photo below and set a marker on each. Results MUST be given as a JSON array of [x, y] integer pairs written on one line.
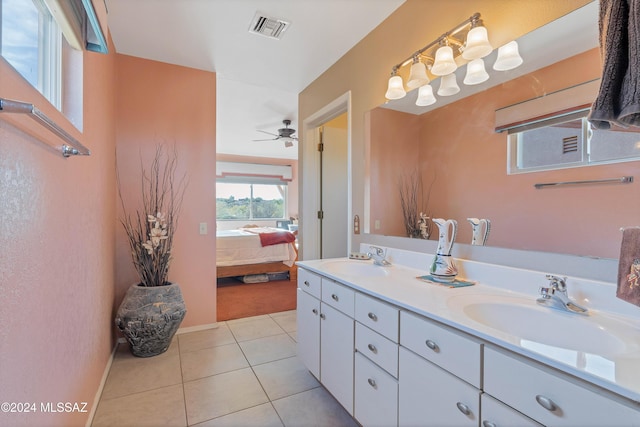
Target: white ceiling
[[258, 78]]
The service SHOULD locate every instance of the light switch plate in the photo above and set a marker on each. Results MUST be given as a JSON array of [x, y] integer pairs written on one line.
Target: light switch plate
[[203, 228]]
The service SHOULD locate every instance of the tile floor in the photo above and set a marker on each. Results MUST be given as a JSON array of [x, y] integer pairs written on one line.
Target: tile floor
[[243, 373]]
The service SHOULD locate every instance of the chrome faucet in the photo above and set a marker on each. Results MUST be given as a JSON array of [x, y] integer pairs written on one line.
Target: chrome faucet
[[379, 256], [555, 296]]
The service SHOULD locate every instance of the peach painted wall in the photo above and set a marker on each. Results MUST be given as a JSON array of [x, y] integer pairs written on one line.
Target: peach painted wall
[[56, 251], [160, 103], [471, 180], [395, 138]]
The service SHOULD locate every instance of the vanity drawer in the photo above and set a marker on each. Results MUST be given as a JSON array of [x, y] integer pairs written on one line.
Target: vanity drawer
[[338, 296], [376, 395], [377, 315], [451, 350], [497, 414], [377, 348], [530, 387], [309, 282]]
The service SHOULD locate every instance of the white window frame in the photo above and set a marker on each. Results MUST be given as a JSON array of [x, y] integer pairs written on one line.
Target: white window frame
[[256, 181]]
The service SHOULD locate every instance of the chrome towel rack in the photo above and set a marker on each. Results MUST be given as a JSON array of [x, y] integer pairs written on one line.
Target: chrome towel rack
[[622, 180], [75, 147]]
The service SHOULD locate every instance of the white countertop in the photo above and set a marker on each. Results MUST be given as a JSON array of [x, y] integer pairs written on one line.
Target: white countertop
[[617, 370]]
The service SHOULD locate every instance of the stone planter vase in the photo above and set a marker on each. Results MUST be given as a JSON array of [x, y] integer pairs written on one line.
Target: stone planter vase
[[149, 317]]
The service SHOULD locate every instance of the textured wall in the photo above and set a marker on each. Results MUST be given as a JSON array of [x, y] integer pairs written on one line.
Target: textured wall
[[160, 103], [56, 252]]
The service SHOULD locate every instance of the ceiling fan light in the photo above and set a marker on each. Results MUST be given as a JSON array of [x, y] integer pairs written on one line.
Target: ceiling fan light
[[395, 90], [444, 63], [508, 57], [476, 73], [425, 96], [418, 75], [477, 45], [448, 85]]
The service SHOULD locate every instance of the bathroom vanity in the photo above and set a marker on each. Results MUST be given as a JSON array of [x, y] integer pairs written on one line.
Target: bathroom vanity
[[395, 350]]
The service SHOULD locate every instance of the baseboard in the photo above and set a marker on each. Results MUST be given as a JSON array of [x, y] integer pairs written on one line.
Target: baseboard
[[103, 381], [197, 328]]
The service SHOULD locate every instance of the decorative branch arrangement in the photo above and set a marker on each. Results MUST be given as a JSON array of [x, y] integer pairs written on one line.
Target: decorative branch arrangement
[[150, 232], [416, 222]]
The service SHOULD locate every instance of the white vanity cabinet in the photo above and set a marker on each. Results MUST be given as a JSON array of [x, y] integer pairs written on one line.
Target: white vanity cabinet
[[439, 375], [376, 362], [326, 333], [550, 397]]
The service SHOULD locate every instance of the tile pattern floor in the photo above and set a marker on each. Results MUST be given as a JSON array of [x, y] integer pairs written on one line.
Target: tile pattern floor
[[243, 373]]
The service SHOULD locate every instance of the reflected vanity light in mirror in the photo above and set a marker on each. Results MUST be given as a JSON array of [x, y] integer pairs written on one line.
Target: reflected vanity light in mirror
[[425, 96], [476, 73], [448, 85], [508, 57]]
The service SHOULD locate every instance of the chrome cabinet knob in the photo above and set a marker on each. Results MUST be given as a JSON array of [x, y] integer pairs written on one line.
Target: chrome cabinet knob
[[546, 403], [322, 316], [315, 311], [373, 317], [432, 345], [372, 348], [334, 297], [463, 408], [372, 383]]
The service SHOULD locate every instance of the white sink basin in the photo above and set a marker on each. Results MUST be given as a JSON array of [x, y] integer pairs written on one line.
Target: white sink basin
[[523, 318], [343, 267]]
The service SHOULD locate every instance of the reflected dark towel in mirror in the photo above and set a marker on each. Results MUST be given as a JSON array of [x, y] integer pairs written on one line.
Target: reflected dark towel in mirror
[[618, 100]]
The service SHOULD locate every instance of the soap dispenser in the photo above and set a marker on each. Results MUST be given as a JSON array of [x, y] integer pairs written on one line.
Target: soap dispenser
[[443, 268]]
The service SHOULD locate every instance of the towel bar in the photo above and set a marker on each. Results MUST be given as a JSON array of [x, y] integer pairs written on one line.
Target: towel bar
[[76, 148], [622, 180]]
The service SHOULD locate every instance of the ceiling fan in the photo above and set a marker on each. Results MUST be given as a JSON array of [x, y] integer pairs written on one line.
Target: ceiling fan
[[285, 134]]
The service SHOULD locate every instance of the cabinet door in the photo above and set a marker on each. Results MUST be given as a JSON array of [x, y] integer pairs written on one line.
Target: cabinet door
[[336, 355], [430, 396], [497, 414], [376, 395], [308, 332]]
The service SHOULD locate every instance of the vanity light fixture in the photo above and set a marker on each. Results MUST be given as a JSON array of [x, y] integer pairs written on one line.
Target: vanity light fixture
[[395, 89], [418, 74], [467, 43]]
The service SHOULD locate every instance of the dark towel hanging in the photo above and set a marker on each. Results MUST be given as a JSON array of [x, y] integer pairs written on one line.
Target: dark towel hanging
[[618, 101]]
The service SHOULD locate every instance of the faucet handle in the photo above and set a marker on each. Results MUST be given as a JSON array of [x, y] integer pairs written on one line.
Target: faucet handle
[[546, 292], [378, 251], [557, 283]]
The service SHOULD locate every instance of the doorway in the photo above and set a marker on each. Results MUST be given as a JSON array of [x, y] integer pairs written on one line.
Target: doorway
[[331, 200]]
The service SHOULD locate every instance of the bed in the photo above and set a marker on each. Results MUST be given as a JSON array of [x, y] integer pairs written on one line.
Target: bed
[[249, 251]]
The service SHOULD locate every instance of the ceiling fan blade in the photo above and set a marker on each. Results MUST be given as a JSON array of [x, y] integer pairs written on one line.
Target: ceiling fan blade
[[270, 139], [268, 133]]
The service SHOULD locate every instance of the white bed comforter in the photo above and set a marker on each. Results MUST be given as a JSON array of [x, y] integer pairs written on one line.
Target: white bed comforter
[[239, 247]]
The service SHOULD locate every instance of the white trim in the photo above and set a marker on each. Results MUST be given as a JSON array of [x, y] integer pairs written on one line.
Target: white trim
[[198, 328], [103, 381], [309, 171]]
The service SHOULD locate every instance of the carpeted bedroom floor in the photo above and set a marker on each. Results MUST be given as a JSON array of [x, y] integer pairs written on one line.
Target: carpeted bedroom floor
[[236, 299]]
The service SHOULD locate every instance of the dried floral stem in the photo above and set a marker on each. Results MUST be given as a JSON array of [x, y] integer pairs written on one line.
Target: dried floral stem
[[150, 232]]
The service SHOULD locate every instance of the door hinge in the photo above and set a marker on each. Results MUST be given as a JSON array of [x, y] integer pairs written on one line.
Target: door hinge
[[320, 146], [320, 214]]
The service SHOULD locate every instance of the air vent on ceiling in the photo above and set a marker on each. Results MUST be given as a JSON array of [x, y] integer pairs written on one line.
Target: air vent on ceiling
[[268, 27]]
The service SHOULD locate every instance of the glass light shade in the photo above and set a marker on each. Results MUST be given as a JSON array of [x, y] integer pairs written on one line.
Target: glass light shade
[[425, 96], [508, 57], [395, 89], [448, 85], [444, 63], [477, 45], [418, 76], [476, 73]]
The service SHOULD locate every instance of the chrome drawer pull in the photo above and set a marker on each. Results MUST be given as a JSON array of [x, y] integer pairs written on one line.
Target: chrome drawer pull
[[486, 423], [372, 383], [322, 316], [335, 297], [463, 408], [546, 403], [373, 317], [315, 311], [432, 345], [373, 348], [306, 282]]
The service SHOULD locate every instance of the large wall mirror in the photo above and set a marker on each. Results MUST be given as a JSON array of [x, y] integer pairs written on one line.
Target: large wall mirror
[[461, 161]]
